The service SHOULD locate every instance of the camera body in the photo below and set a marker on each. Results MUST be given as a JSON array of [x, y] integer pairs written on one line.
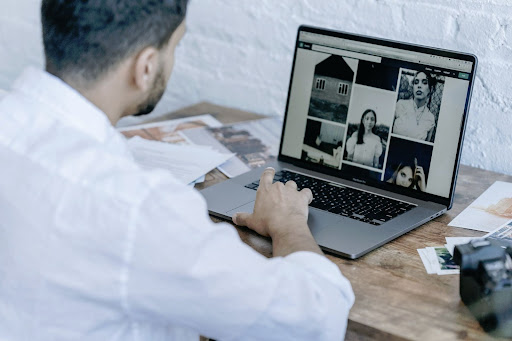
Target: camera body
[[486, 284]]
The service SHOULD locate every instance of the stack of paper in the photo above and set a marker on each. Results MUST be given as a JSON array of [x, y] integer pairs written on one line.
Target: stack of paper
[[254, 143], [185, 162], [437, 260], [452, 241]]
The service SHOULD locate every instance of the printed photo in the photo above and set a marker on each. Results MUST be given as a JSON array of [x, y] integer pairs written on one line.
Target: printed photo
[[418, 103], [255, 143], [331, 89], [445, 262], [490, 210], [369, 123], [445, 259], [169, 131], [503, 233], [323, 143], [377, 75], [248, 148], [438, 260], [408, 164]]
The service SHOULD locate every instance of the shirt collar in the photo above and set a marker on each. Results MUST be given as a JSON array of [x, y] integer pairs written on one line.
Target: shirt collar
[[67, 104]]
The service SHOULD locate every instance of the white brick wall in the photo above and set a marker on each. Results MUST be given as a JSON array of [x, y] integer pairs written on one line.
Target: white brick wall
[[238, 53]]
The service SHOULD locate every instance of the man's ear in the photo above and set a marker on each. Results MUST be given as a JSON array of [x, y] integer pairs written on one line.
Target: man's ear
[[145, 68]]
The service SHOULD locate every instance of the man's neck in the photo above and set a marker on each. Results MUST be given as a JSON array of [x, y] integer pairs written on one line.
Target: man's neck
[[109, 94], [104, 98]]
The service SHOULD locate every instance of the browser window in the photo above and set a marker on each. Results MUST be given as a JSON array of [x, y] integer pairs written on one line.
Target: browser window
[[376, 112]]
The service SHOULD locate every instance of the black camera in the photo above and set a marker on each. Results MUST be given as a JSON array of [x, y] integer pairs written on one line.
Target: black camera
[[486, 283]]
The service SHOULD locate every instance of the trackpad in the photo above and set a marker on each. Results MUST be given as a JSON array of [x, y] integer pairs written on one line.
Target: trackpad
[[316, 218], [247, 208]]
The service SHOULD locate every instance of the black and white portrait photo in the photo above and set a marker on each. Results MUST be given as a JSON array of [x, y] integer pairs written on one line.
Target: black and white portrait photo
[[418, 103], [368, 126], [408, 164]]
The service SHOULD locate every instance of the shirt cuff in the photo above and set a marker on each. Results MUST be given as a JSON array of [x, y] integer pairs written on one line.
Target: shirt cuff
[[318, 264]]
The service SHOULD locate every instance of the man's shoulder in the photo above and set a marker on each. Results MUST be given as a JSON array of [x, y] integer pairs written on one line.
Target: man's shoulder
[[58, 151], [115, 175], [67, 152]]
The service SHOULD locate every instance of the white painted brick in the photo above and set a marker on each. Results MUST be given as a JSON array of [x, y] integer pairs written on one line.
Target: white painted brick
[[238, 53], [495, 76], [21, 45], [502, 42], [418, 24], [476, 33]]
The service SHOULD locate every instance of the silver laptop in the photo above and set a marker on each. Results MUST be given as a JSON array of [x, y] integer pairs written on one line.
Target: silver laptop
[[375, 129]]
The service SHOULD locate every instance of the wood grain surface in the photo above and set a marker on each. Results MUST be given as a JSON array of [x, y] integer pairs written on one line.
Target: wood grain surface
[[395, 297]]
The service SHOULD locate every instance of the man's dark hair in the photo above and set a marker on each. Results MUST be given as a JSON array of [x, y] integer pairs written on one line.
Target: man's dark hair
[[84, 39]]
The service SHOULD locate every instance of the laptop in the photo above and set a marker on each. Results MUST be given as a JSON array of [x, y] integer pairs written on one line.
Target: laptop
[[375, 129]]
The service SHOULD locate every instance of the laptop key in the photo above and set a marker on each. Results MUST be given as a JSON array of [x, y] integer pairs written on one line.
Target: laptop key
[[345, 201]]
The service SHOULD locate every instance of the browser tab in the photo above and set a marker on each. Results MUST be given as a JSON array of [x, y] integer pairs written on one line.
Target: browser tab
[[386, 52]]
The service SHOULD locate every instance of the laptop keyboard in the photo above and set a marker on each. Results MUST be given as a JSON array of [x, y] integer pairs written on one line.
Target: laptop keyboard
[[349, 202]]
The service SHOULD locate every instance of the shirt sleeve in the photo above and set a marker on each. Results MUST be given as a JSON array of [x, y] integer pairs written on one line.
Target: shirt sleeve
[[185, 270]]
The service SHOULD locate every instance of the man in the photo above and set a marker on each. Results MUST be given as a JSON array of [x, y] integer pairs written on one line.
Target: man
[[92, 247]]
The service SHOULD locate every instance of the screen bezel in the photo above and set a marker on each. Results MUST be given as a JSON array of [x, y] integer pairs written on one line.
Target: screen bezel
[[375, 183]]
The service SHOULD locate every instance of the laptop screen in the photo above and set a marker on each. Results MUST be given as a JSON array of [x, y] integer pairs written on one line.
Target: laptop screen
[[377, 112]]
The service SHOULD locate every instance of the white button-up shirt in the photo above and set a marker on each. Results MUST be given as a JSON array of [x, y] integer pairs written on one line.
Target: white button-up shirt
[[92, 247]]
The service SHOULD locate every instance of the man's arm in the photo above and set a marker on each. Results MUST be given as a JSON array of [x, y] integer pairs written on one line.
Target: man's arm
[[281, 212], [184, 270]]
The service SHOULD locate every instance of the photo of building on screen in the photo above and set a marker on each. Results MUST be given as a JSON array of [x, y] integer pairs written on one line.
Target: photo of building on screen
[[331, 89]]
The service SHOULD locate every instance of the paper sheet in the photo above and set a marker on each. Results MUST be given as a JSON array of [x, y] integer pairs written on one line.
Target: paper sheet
[[254, 142], [186, 162], [452, 241], [170, 131], [489, 211], [437, 260]]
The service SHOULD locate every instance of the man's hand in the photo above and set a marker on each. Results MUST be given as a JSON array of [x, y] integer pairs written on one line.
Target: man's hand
[[281, 212], [276, 206]]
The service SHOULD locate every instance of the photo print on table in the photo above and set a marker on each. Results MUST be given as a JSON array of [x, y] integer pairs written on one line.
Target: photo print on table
[[323, 143], [418, 103]]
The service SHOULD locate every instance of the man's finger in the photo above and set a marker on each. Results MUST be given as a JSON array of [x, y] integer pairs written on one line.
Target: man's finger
[[267, 177], [307, 192], [291, 184], [241, 219]]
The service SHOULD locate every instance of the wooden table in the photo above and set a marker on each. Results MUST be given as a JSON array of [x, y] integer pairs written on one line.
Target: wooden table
[[395, 298]]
